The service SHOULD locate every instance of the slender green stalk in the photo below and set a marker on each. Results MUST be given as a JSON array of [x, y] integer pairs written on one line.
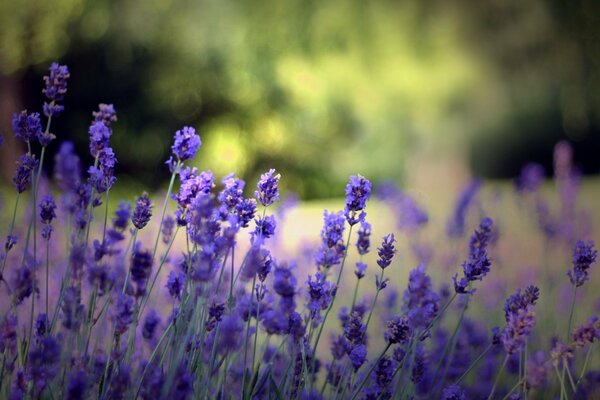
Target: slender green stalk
[[10, 232], [164, 208], [47, 278], [585, 364], [246, 342], [337, 284], [571, 312], [498, 376], [163, 336], [368, 375], [374, 300], [473, 364]]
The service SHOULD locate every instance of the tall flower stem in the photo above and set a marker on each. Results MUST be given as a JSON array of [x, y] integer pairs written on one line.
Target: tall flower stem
[[164, 208], [498, 376], [366, 378], [571, 312], [374, 299], [10, 232], [337, 284]]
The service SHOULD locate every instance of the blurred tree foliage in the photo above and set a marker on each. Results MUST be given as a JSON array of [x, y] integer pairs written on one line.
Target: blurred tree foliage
[[318, 90]]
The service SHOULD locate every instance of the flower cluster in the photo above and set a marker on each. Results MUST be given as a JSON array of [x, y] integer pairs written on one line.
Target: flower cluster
[[105, 309]]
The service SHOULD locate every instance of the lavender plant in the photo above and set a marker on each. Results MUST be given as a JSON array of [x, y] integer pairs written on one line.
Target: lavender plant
[[216, 308]]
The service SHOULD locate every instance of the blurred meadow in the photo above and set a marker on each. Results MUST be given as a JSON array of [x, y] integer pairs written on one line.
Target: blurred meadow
[[428, 95]]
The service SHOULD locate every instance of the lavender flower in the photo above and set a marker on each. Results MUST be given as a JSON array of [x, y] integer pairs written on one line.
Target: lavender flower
[[141, 266], [72, 309], [453, 392], [398, 330], [142, 212], [358, 356], [102, 177], [477, 264], [268, 188], [106, 114], [456, 224], [167, 229], [586, 333], [42, 362], [151, 322], [245, 211], [47, 209], [56, 87], [421, 302], [23, 282], [363, 242], [99, 137], [386, 251], [186, 144], [27, 127], [320, 292], [122, 315], [332, 248], [265, 228], [232, 193], [360, 270], [175, 284], [25, 166], [358, 191], [584, 255], [530, 179], [77, 386], [520, 319]]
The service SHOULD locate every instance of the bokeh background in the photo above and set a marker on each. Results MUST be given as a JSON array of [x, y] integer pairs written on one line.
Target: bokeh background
[[320, 90]]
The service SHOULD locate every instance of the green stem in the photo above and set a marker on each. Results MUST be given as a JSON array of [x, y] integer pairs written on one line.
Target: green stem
[[585, 364], [374, 300], [10, 232], [366, 378], [498, 376], [473, 364], [571, 313]]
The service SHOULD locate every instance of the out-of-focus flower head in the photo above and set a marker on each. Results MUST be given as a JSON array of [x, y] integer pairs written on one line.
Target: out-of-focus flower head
[[584, 255]]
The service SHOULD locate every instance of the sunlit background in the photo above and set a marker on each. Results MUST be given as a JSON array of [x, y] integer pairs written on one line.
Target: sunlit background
[[319, 90]]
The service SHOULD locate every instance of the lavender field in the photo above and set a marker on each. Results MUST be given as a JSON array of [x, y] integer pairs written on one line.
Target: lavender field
[[216, 288]]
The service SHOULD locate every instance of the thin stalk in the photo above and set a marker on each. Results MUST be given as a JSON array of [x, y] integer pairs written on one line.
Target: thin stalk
[[246, 345], [162, 262], [364, 380], [374, 300], [164, 208], [163, 336], [337, 284], [47, 278], [10, 232], [571, 312], [498, 376], [473, 364], [585, 364]]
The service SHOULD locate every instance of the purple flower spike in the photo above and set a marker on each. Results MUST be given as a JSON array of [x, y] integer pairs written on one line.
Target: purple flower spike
[[386, 251], [26, 164], [56, 87], [27, 127], [584, 255], [268, 188], [142, 212], [106, 114], [186, 144], [358, 191], [47, 209]]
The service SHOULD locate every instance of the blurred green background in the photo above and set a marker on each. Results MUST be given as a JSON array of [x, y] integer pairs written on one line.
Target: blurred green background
[[318, 90]]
